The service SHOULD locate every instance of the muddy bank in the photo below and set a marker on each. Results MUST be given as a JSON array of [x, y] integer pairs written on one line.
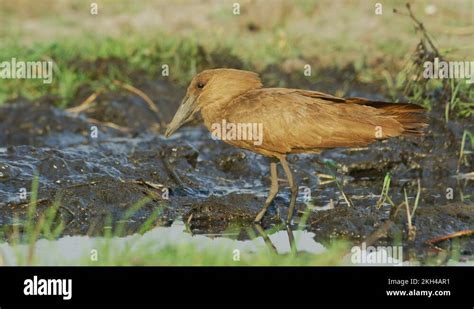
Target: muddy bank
[[212, 186]]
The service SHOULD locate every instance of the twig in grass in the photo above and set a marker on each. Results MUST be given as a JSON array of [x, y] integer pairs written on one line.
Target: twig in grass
[[29, 204], [417, 198], [86, 104], [109, 124], [410, 215], [415, 84], [156, 186], [465, 176], [146, 98], [92, 183], [411, 228], [465, 134], [420, 26], [346, 198], [450, 236]]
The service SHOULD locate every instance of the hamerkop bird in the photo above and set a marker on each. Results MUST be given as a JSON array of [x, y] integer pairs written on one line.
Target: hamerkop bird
[[293, 120]]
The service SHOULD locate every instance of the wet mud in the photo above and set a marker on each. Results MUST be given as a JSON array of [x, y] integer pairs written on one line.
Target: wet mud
[[214, 187]]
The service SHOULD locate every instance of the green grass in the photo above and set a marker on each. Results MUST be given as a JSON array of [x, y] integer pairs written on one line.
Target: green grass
[[76, 65], [384, 196]]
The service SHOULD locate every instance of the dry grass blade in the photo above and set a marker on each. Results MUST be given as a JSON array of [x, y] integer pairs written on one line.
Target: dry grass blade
[[38, 202], [109, 124], [346, 198], [152, 185], [410, 215], [462, 151], [450, 236], [417, 199], [145, 97], [86, 104], [465, 176]]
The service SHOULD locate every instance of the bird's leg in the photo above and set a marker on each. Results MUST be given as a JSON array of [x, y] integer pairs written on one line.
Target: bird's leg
[[291, 238], [265, 237], [293, 188], [273, 191]]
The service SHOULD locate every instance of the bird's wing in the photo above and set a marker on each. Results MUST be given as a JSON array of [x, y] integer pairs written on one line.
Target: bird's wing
[[297, 121]]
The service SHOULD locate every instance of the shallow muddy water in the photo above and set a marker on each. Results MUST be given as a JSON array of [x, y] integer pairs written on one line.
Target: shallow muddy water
[[74, 250], [216, 188]]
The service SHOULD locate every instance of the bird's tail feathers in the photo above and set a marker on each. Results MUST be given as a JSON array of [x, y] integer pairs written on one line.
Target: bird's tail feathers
[[411, 116]]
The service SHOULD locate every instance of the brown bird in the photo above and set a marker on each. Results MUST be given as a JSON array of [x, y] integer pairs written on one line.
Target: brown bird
[[276, 122]]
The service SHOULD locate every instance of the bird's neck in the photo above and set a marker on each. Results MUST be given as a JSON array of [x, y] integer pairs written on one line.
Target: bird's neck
[[214, 113], [219, 99]]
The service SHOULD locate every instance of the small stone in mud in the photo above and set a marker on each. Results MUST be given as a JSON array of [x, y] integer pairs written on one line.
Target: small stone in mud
[[8, 172], [232, 162]]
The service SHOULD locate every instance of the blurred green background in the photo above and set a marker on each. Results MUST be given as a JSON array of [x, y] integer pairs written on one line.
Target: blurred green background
[[331, 36]]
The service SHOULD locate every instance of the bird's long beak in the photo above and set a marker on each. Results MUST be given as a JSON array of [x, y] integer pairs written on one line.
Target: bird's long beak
[[184, 114]]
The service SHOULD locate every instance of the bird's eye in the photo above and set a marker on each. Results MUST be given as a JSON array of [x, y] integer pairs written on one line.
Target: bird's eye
[[200, 85]]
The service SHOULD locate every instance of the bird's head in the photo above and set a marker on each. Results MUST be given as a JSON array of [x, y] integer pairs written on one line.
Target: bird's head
[[216, 88]]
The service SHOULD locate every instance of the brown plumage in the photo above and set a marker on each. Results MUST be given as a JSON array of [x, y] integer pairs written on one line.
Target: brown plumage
[[293, 120]]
